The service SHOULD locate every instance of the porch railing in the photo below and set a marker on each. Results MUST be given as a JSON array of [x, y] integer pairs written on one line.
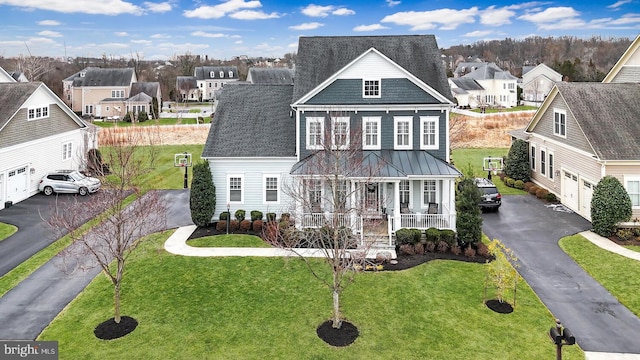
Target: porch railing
[[316, 220]]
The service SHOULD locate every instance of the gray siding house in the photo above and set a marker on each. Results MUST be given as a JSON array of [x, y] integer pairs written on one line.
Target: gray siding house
[[379, 102]]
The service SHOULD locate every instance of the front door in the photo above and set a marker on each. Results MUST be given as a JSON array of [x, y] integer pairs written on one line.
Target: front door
[[372, 198]]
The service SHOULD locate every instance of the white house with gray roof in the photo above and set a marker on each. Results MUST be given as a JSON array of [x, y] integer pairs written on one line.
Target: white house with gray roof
[[210, 79], [38, 134], [500, 87], [537, 81], [585, 131], [384, 99]]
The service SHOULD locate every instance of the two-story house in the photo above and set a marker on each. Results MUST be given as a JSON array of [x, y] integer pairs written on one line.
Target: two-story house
[[537, 82], [98, 92], [376, 108], [500, 87], [210, 79], [585, 131]]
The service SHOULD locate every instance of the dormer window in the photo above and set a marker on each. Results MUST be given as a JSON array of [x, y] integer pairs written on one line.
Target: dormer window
[[83, 73], [221, 74], [230, 74], [212, 74], [38, 112], [371, 88]]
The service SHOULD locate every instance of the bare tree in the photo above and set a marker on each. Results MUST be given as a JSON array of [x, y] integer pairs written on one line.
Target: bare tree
[[122, 224], [33, 67], [329, 207]]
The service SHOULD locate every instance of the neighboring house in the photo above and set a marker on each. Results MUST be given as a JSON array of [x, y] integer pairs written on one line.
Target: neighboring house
[[467, 92], [209, 79], [585, 131], [5, 77], [38, 134], [537, 81], [500, 86], [96, 92], [142, 96], [394, 88], [19, 76], [260, 75], [465, 67], [187, 88]]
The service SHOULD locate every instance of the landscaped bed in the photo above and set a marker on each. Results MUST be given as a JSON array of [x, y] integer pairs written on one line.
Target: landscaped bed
[[256, 308]]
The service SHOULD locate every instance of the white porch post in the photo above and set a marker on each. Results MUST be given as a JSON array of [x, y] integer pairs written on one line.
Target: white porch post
[[452, 203], [298, 187], [396, 205]]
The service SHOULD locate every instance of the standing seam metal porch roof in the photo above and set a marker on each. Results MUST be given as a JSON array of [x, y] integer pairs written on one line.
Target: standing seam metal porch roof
[[384, 164]]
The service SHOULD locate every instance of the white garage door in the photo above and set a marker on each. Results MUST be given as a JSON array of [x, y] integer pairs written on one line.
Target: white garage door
[[587, 194], [570, 191], [17, 184]]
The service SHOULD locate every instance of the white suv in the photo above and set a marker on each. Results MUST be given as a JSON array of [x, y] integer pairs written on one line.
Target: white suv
[[69, 182]]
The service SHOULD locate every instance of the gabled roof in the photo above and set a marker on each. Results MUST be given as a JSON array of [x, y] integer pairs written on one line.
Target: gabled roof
[[140, 97], [270, 75], [321, 57], [105, 77], [467, 84], [149, 88], [206, 72], [14, 95], [468, 66], [635, 45], [252, 120], [607, 114], [5, 76], [489, 71], [382, 164], [186, 82]]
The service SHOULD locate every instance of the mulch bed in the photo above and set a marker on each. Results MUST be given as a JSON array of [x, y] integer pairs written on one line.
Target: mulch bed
[[110, 330], [633, 241], [499, 307], [343, 336]]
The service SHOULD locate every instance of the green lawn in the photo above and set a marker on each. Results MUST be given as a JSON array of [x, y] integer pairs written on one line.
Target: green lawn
[[164, 121], [269, 308], [618, 274], [6, 230], [239, 240], [469, 162], [633, 247]]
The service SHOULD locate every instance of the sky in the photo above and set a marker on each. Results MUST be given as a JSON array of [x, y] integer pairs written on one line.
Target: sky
[[223, 29]]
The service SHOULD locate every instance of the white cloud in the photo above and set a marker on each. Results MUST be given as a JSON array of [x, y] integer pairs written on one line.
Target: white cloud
[[618, 4], [121, 33], [253, 15], [478, 33], [496, 17], [158, 7], [626, 19], [343, 12], [48, 33], [142, 42], [103, 7], [317, 10], [49, 23], [550, 15], [307, 26], [160, 36], [372, 27], [179, 48], [208, 35], [220, 10], [392, 3], [448, 19]]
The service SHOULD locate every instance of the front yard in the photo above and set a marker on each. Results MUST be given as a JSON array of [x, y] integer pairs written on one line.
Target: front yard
[[256, 308]]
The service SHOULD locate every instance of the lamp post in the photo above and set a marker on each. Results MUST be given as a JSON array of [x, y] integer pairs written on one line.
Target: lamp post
[[228, 217], [186, 168], [561, 336]]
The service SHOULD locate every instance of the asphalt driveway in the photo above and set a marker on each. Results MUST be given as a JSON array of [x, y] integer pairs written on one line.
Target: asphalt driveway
[[29, 307], [532, 230]]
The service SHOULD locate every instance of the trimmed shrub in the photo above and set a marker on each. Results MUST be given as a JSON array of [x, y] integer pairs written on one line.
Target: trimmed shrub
[[430, 246], [482, 249], [221, 225], [516, 166], [448, 236], [233, 225], [442, 247], [256, 215], [469, 252], [419, 248], [285, 217], [518, 184], [527, 185], [510, 182], [271, 216], [404, 236], [610, 205], [456, 250], [257, 226], [625, 234], [551, 197], [533, 189], [245, 225], [202, 197], [240, 215], [432, 235], [417, 236], [224, 215], [542, 193], [407, 249]]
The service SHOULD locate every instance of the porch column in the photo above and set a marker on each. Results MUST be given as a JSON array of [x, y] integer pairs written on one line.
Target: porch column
[[396, 205], [353, 204], [452, 203]]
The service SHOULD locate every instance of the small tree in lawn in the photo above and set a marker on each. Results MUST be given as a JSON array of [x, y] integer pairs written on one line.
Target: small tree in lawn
[[334, 209], [469, 219], [501, 272], [516, 166], [610, 205], [202, 198], [122, 223]]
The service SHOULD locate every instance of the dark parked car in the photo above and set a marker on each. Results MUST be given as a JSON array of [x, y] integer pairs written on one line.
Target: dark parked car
[[491, 198]]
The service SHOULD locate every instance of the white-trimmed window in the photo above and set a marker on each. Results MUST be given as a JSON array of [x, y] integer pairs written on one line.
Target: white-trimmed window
[[551, 165], [532, 159], [271, 189], [428, 132], [117, 94], [212, 74], [543, 162], [340, 132], [230, 74], [221, 74], [38, 112], [235, 188], [314, 194], [428, 192], [342, 190], [371, 88], [371, 133], [67, 149], [315, 133], [632, 184], [560, 123], [404, 189], [402, 131]]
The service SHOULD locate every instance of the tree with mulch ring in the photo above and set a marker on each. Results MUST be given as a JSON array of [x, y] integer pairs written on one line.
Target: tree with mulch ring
[[110, 329], [344, 335], [501, 273]]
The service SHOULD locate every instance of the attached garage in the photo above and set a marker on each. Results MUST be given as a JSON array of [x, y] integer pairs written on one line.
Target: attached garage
[[585, 199], [17, 185], [570, 191]]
